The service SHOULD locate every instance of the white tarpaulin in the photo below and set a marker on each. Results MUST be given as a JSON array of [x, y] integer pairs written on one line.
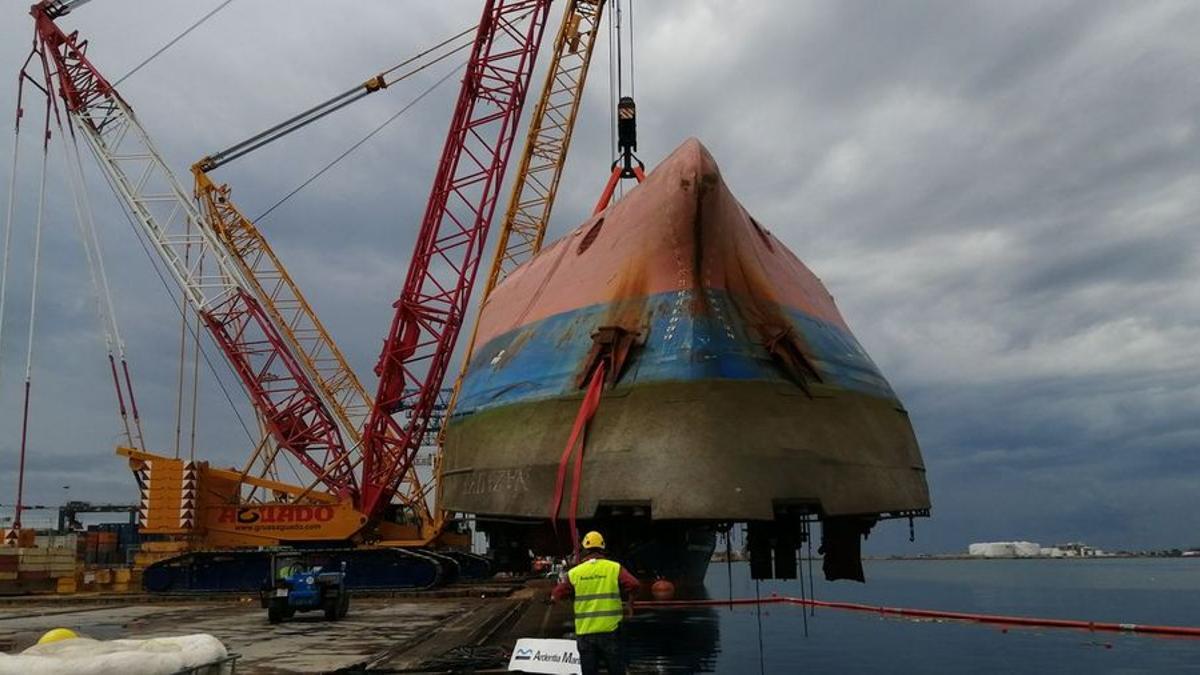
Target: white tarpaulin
[[545, 656], [83, 656]]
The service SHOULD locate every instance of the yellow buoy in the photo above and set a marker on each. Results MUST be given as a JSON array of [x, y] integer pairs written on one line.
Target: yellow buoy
[[56, 635]]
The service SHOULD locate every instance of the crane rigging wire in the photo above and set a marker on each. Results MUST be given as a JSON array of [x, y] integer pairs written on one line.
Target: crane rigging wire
[[632, 60], [248, 146], [86, 228], [185, 327], [443, 43], [113, 337], [211, 162], [78, 197], [620, 74], [762, 666], [811, 592], [90, 242], [616, 71], [612, 93], [97, 270], [195, 380], [207, 359], [332, 105], [91, 252], [103, 273], [105, 306], [357, 144], [183, 331], [145, 239], [33, 287], [12, 187], [204, 353], [172, 42], [129, 218]]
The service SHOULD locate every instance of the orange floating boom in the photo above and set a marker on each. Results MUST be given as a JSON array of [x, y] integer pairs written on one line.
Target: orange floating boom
[[995, 619]]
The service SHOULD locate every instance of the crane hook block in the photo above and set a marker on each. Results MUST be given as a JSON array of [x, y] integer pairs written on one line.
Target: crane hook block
[[627, 124]]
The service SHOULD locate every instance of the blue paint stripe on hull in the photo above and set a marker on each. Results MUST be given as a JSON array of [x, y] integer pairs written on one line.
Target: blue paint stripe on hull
[[541, 360]]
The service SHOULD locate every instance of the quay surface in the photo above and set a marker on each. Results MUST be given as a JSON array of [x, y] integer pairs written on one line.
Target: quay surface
[[409, 633]]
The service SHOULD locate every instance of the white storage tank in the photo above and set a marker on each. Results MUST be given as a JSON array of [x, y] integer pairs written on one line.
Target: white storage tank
[[1026, 549]]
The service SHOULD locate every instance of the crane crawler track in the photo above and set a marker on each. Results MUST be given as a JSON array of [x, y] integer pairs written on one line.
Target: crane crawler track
[[367, 569]]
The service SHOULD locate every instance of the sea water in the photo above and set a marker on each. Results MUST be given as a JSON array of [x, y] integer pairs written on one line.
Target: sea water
[[1119, 590]]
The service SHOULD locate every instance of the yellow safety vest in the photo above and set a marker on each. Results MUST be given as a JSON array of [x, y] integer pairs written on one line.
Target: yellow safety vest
[[597, 596]]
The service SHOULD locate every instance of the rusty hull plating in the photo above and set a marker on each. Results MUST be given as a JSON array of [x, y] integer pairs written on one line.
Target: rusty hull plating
[[738, 388]]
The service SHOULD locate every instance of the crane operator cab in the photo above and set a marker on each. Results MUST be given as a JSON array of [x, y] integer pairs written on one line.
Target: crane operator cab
[[298, 585]]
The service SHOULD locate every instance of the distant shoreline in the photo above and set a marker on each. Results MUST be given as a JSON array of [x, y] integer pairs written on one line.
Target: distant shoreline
[[1106, 556], [948, 556]]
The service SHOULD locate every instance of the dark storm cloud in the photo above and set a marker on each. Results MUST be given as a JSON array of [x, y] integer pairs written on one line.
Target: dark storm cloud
[[1002, 197], [1127, 262]]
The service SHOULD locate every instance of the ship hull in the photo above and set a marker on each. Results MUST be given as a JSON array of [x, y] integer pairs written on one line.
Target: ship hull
[[733, 388], [711, 449]]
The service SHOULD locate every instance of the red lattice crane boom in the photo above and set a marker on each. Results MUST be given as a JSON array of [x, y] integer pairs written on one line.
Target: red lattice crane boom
[[167, 217], [430, 310], [429, 313]]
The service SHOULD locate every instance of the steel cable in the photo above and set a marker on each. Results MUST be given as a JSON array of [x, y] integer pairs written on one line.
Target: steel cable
[[90, 225], [762, 666], [620, 65], [12, 187], [195, 376], [356, 145], [612, 91], [332, 105], [811, 592], [77, 198], [37, 256], [632, 59], [729, 562], [129, 217], [172, 42], [439, 45], [800, 567], [183, 333]]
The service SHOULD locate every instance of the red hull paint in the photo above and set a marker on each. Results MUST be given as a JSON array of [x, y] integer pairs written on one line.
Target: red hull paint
[[625, 264]]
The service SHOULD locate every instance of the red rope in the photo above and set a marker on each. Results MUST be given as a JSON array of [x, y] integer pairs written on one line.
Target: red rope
[[587, 409], [1149, 629]]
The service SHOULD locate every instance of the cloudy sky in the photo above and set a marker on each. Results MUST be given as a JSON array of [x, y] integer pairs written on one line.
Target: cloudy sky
[[1003, 198]]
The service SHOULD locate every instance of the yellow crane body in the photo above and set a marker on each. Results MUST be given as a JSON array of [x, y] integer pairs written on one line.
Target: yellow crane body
[[201, 504], [549, 139], [296, 320]]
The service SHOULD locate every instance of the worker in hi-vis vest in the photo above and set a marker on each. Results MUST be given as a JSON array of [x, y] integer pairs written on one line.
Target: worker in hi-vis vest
[[598, 586]]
